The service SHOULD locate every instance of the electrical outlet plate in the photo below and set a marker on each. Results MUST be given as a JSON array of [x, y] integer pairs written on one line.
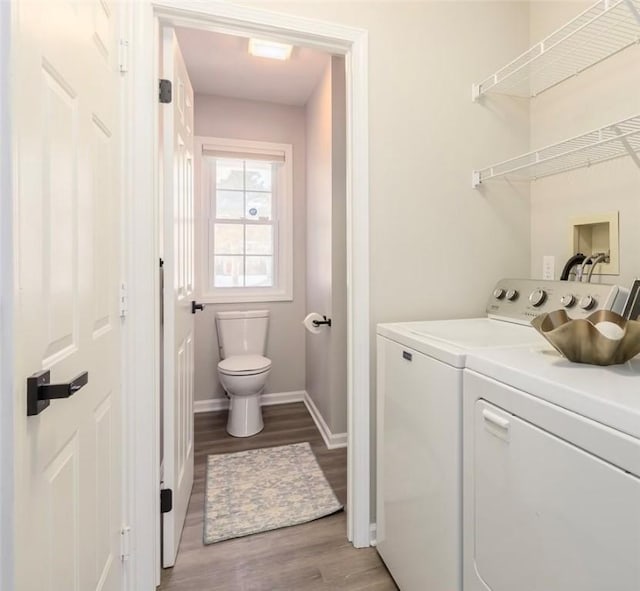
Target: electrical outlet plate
[[548, 267], [597, 233]]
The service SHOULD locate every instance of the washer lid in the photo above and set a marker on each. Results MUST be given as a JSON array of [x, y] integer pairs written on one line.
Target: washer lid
[[450, 341], [242, 364]]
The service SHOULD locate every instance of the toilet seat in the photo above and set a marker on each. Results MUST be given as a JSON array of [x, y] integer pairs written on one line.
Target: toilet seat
[[244, 365]]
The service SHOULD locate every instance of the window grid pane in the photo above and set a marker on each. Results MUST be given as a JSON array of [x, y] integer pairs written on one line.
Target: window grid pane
[[229, 239], [259, 271], [230, 204], [228, 271]]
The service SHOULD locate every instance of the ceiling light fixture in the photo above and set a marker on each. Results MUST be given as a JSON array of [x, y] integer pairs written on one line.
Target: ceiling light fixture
[[270, 49]]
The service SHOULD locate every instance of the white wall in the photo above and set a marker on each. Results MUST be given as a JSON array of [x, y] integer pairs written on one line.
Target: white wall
[[601, 95], [326, 361], [437, 245], [251, 120]]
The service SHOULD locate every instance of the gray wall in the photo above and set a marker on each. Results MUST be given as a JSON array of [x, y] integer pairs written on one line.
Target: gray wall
[[338, 416], [326, 353], [602, 95], [239, 119]]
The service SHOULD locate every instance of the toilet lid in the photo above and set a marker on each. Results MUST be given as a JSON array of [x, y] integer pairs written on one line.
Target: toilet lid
[[241, 364]]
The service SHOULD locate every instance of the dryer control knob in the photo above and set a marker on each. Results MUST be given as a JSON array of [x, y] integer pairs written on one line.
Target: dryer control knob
[[538, 297], [498, 293], [587, 302], [568, 300], [512, 295]]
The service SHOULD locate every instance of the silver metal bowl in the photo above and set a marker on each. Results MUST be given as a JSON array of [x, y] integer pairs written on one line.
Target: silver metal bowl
[[588, 340]]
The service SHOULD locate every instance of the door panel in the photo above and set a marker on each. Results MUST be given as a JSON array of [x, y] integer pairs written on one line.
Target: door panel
[[177, 131], [61, 492], [68, 458], [59, 207], [102, 188]]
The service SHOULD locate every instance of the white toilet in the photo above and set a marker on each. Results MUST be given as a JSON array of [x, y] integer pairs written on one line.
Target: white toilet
[[243, 369]]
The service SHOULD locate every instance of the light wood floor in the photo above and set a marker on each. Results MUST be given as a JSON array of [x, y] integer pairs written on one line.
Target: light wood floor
[[310, 557]]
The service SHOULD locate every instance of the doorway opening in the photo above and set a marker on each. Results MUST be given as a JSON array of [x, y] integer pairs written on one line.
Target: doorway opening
[[261, 142], [337, 40]]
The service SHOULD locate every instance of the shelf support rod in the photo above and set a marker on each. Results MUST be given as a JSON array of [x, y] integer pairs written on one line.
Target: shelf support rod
[[633, 9], [627, 145]]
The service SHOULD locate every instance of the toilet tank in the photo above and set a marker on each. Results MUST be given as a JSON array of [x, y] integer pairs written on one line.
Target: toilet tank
[[242, 332]]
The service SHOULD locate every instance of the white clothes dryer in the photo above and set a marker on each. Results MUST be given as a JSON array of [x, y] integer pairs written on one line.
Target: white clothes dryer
[[552, 473]]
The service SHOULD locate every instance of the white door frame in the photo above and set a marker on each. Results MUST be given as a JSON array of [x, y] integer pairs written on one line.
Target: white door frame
[[7, 406], [141, 346]]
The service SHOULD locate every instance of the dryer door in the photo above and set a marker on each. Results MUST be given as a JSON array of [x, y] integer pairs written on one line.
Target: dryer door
[[549, 516]]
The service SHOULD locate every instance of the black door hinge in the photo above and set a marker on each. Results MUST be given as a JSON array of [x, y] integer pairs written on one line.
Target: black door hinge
[[161, 263], [166, 500], [164, 93]]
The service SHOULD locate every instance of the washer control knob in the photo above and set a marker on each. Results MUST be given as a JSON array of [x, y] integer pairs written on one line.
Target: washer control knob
[[498, 293], [512, 295], [568, 300], [587, 302], [538, 297]]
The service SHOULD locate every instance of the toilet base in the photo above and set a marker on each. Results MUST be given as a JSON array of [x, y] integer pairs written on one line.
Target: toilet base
[[245, 415]]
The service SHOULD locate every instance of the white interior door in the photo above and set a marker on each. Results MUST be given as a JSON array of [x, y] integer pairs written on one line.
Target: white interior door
[[177, 133], [67, 458]]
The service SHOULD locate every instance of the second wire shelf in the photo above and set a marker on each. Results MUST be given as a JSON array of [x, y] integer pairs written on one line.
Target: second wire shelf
[[606, 143]]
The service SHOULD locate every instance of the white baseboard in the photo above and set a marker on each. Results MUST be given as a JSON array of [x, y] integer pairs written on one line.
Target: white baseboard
[[210, 405], [214, 404], [331, 440], [283, 397], [372, 534]]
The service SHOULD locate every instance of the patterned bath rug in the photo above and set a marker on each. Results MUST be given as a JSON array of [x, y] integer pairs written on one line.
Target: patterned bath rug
[[259, 490]]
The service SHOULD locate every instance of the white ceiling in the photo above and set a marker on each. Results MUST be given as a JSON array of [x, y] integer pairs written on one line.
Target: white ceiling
[[221, 65]]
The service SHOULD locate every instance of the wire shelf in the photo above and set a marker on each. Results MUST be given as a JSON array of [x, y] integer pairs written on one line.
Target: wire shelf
[[604, 29], [606, 143]]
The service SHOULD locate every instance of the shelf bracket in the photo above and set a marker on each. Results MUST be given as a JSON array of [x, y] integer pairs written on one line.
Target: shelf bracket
[[475, 179], [628, 147], [475, 92], [633, 10]]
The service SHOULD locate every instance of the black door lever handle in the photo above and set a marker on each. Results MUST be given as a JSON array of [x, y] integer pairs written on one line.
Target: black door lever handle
[[195, 306], [40, 391]]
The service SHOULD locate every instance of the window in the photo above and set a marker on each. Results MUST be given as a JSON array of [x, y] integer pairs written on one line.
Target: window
[[246, 196]]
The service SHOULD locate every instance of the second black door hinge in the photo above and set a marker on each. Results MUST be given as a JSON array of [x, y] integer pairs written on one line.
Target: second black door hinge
[[164, 91], [166, 500]]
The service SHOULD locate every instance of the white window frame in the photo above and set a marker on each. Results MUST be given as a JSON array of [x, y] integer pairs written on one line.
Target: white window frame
[[282, 289]]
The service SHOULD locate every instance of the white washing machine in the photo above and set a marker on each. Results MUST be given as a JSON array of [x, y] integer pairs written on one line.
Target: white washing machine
[[419, 423], [552, 473]]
